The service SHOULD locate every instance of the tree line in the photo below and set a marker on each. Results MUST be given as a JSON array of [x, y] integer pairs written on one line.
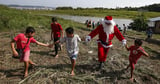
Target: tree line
[[153, 8]]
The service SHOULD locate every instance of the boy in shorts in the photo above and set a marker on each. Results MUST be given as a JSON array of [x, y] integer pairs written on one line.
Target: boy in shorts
[[136, 51], [71, 41], [23, 41]]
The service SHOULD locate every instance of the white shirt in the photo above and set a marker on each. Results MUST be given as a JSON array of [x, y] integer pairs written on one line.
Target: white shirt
[[71, 44]]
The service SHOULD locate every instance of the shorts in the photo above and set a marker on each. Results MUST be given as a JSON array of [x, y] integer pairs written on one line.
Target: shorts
[[73, 57], [25, 56]]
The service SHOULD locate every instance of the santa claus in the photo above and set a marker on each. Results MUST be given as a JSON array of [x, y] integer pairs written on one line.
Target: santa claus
[[106, 31]]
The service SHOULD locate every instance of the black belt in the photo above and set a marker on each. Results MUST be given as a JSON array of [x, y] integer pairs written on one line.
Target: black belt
[[105, 43]]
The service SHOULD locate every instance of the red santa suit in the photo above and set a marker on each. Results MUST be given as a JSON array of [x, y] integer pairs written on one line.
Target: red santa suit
[[106, 34]]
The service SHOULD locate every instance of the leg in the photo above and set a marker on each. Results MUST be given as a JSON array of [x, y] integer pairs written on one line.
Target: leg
[[132, 68], [105, 54], [56, 47], [100, 53], [26, 64], [32, 63], [56, 50], [128, 65], [73, 66]]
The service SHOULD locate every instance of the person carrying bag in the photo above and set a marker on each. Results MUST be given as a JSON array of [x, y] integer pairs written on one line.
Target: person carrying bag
[[20, 51]]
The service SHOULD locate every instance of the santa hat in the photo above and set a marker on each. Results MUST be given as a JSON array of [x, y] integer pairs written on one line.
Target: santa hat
[[108, 19]]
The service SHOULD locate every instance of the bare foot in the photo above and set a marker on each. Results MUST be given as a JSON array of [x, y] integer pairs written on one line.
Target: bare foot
[[25, 75], [56, 56], [72, 73], [34, 64], [131, 79]]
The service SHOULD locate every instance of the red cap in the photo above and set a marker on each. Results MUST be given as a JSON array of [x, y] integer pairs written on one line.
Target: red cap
[[108, 17]]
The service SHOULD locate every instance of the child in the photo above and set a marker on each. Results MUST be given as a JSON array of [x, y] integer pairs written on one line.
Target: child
[[23, 41], [71, 41], [56, 34], [136, 51]]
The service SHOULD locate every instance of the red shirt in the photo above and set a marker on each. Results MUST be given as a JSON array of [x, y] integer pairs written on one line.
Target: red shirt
[[135, 54], [21, 42], [56, 29]]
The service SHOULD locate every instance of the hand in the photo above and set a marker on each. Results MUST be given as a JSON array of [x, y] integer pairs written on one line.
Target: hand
[[124, 41], [57, 42], [15, 53], [88, 38], [50, 46]]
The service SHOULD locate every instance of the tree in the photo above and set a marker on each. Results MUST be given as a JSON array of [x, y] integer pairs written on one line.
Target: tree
[[139, 23]]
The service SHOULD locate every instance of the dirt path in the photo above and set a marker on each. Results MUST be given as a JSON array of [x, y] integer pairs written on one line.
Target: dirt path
[[56, 70]]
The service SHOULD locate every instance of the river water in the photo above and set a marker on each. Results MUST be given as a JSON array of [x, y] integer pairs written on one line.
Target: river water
[[82, 19]]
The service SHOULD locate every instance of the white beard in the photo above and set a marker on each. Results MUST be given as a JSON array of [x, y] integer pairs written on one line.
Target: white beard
[[108, 29]]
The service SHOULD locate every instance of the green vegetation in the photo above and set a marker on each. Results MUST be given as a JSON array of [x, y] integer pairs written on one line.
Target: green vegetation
[[139, 23], [12, 19], [100, 13]]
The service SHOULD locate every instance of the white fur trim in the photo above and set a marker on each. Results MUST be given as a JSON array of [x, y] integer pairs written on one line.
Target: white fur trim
[[124, 41], [110, 21], [88, 38]]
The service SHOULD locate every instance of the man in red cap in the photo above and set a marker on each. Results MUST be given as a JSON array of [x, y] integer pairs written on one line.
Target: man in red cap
[[106, 31]]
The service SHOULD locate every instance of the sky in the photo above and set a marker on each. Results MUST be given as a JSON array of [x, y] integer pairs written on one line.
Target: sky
[[82, 3]]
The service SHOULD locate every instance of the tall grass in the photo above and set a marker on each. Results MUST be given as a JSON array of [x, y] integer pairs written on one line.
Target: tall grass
[[12, 19]]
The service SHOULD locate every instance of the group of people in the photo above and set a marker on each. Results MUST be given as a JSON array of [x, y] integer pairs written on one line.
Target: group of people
[[105, 31], [92, 24]]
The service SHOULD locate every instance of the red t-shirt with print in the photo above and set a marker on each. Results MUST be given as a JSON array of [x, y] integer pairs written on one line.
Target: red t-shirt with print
[[135, 54], [21, 41]]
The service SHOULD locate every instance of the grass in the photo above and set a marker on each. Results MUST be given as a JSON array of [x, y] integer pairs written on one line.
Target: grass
[[100, 13], [142, 35]]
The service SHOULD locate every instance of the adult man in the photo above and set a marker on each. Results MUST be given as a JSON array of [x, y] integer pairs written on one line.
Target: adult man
[[106, 32]]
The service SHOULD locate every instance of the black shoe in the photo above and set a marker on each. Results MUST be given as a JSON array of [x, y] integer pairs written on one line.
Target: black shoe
[[100, 65]]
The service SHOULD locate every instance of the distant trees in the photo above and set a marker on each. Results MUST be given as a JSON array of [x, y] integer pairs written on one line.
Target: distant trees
[[139, 23], [64, 8], [153, 7]]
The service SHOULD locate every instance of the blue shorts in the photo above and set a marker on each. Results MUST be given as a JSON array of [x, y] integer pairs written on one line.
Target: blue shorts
[[74, 57]]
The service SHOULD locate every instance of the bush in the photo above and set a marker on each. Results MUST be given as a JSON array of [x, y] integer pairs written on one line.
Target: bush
[[139, 23]]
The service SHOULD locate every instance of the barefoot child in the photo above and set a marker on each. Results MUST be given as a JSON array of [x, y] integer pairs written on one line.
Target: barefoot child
[[71, 41], [56, 33], [136, 51], [23, 41]]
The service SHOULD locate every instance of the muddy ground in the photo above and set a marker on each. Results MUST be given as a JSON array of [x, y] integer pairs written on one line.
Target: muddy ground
[[52, 70]]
